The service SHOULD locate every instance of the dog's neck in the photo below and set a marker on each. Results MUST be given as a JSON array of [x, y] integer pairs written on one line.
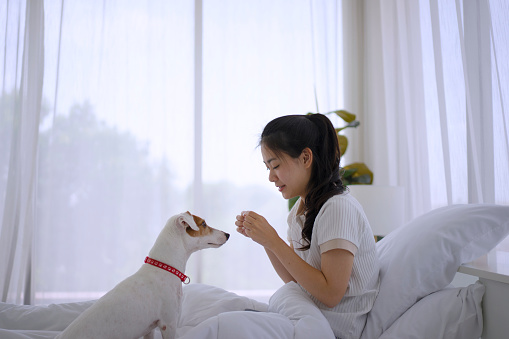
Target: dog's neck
[[170, 249]]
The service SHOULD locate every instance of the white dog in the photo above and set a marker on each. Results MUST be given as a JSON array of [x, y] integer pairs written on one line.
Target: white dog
[[151, 297]]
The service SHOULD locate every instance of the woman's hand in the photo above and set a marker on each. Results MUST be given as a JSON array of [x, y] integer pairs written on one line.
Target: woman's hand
[[257, 228], [240, 224]]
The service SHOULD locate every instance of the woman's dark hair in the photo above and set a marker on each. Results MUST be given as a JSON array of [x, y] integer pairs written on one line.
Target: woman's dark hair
[[291, 134]]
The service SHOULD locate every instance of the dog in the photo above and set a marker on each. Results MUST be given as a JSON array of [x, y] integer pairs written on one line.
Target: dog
[[151, 297]]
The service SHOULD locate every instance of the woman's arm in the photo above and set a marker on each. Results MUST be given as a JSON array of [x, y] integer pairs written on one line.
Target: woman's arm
[[278, 267], [328, 284]]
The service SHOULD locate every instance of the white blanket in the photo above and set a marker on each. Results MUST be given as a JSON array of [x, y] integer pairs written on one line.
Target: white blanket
[[207, 312]]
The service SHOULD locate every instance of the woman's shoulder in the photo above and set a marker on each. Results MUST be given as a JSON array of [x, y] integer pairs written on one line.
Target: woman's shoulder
[[341, 217], [341, 206], [344, 201]]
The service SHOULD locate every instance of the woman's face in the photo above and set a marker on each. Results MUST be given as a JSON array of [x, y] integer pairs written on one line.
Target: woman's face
[[290, 175]]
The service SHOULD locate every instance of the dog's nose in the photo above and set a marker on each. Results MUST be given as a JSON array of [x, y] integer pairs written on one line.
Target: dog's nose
[[227, 236]]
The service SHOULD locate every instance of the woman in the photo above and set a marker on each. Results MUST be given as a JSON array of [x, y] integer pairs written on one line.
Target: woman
[[331, 252]]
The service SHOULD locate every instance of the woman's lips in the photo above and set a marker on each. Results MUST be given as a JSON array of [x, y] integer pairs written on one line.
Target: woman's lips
[[280, 188]]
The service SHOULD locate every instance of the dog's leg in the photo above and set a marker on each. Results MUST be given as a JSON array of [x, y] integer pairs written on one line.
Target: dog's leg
[[149, 335], [168, 331]]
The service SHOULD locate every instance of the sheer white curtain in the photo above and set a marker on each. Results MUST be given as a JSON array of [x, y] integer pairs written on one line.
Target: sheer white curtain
[[23, 70], [89, 177], [432, 89]]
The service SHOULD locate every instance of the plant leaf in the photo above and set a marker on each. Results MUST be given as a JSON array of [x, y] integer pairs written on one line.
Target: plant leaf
[[360, 170], [345, 115], [343, 144], [354, 123], [348, 172], [292, 202], [364, 179]]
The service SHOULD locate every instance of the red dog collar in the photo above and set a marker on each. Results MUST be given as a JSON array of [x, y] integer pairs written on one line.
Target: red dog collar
[[185, 279]]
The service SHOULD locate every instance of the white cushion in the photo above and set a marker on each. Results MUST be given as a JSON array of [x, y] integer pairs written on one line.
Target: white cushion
[[453, 313], [423, 256]]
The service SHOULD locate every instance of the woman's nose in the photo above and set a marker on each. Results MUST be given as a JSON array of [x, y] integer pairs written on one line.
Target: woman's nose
[[272, 176]]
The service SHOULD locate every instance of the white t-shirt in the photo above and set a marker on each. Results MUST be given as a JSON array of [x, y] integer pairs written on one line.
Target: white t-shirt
[[341, 223]]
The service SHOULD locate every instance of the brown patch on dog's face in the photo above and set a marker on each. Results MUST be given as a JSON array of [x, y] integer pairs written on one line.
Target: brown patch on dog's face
[[203, 228]]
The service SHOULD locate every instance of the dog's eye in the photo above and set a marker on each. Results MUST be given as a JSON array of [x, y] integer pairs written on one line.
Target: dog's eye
[[203, 224]]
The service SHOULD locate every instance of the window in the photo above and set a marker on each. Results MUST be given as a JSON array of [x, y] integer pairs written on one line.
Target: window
[[123, 129]]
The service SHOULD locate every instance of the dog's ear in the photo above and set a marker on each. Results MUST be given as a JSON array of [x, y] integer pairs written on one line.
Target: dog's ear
[[186, 220]]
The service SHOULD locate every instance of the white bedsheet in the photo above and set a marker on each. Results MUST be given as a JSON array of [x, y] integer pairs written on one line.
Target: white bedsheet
[[207, 312]]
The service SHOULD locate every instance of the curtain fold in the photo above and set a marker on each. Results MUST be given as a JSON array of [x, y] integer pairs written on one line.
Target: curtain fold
[[326, 51], [442, 110], [476, 56], [19, 214], [354, 56]]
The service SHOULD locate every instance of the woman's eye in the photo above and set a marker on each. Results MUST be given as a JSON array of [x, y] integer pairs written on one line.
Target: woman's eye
[[275, 167]]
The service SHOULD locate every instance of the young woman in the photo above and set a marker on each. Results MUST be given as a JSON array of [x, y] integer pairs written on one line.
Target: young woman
[[331, 252]]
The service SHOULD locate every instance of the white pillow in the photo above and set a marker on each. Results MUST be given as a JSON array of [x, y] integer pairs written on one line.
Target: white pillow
[[452, 313], [423, 256]]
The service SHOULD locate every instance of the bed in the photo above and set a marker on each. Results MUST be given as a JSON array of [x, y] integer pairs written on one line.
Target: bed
[[416, 300]]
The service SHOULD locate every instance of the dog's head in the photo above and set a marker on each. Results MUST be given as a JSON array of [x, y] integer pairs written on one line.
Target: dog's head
[[197, 234]]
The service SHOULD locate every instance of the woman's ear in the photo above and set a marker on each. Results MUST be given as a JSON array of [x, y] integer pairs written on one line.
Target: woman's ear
[[307, 157]]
